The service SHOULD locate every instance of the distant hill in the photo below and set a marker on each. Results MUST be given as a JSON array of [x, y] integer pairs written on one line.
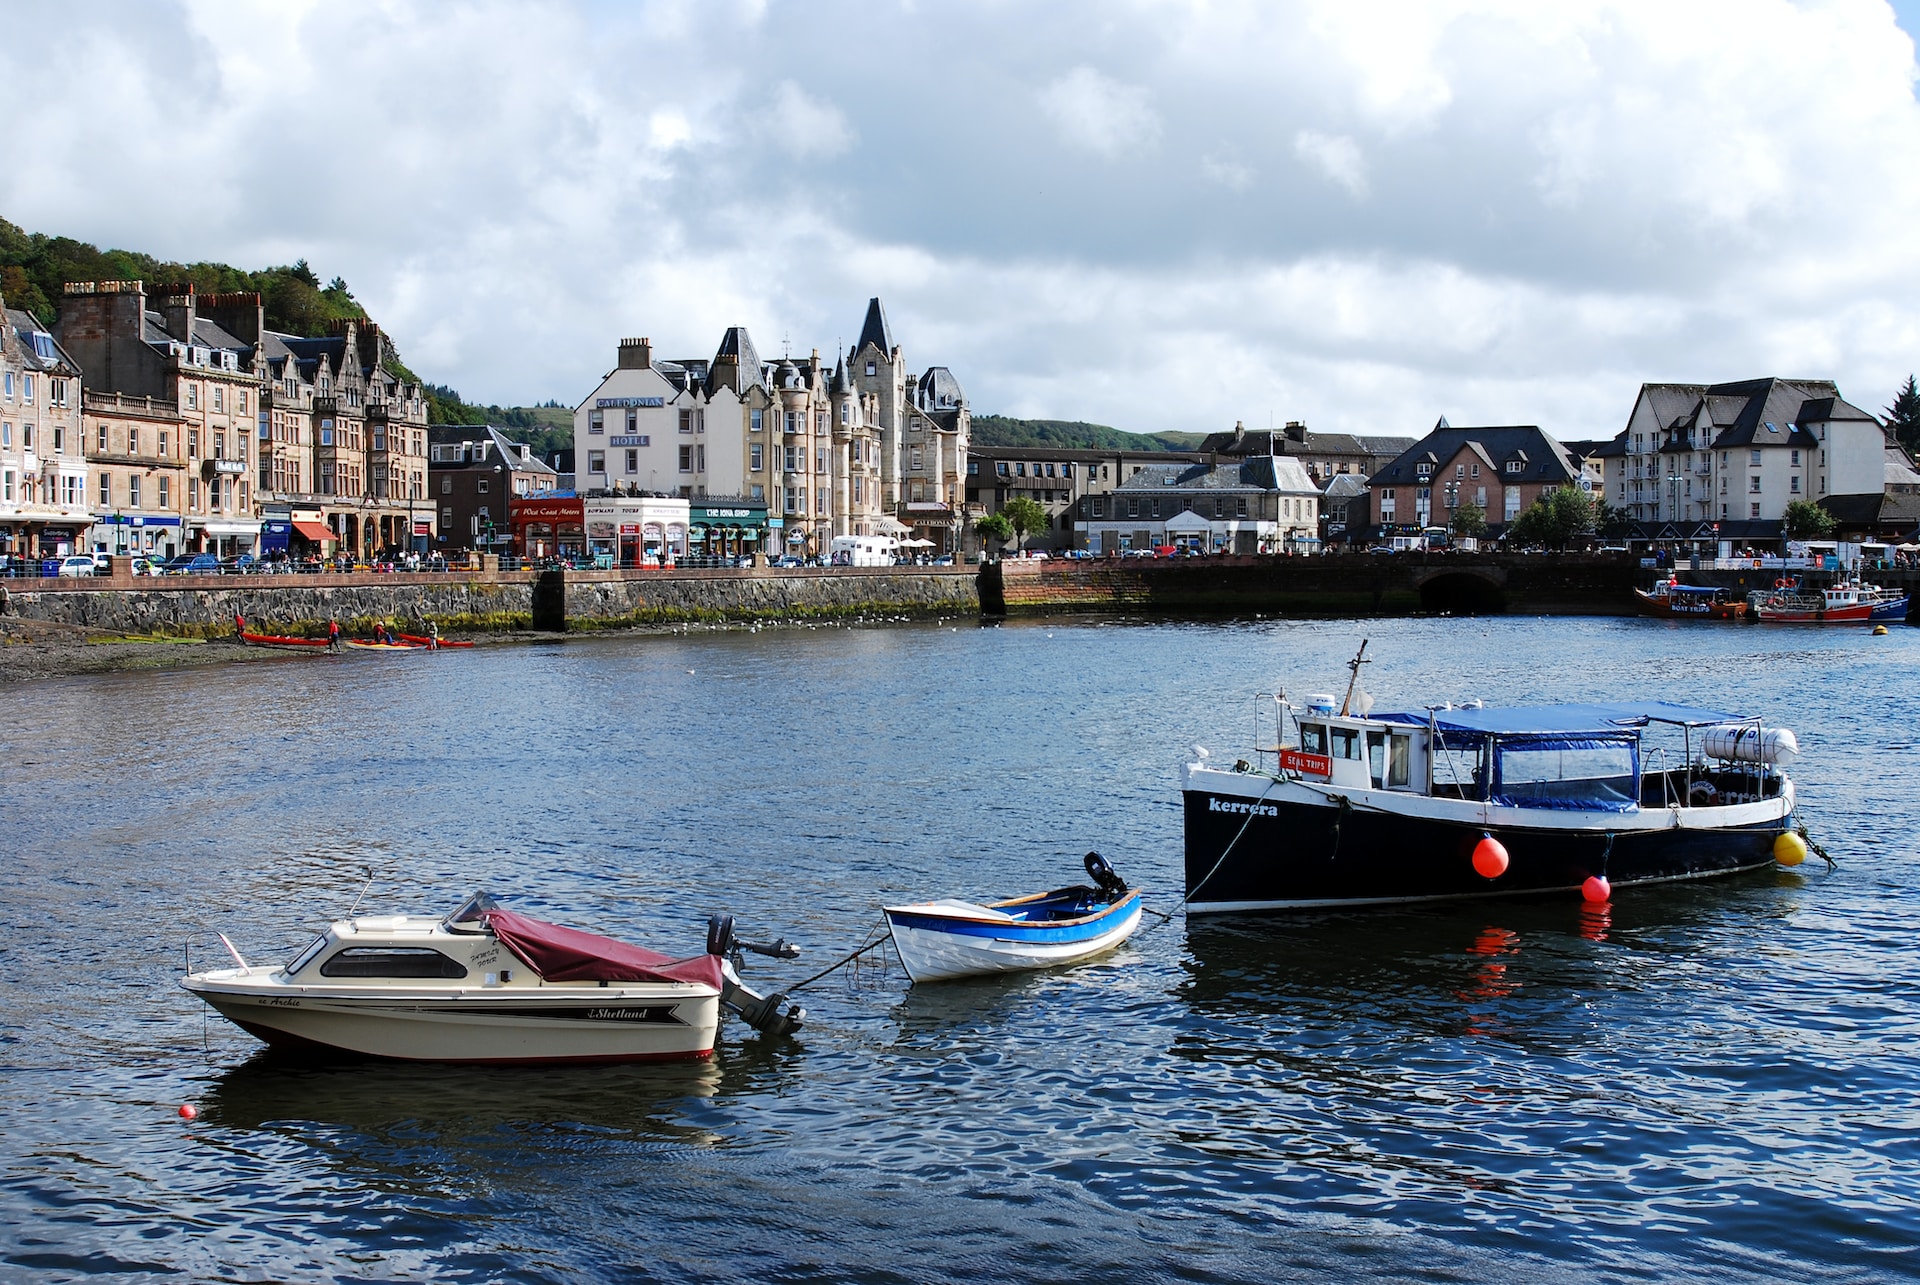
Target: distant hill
[[1003, 430]]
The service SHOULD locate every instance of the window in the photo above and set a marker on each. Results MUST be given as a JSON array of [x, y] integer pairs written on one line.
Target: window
[[686, 459], [1793, 484], [1423, 469], [1794, 457], [133, 490], [633, 421], [326, 432], [446, 486], [193, 443], [1514, 466], [756, 459], [193, 397], [1754, 509], [26, 383], [686, 421], [106, 490], [596, 421], [103, 439], [243, 401], [870, 370], [1099, 508], [700, 458], [793, 422], [1476, 468], [1241, 507], [480, 486], [633, 461], [1002, 469], [219, 446], [218, 400], [391, 961], [1459, 470], [1753, 459], [792, 459], [916, 460], [1133, 507], [1154, 507], [1753, 484], [166, 499]]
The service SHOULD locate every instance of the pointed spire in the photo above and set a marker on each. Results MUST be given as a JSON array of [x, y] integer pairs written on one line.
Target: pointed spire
[[1441, 423], [875, 330]]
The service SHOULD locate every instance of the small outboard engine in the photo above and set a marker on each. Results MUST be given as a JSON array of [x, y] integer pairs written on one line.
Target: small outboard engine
[[1101, 871]]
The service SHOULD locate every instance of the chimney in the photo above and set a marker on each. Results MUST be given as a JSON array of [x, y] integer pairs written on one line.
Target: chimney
[[636, 354], [1296, 431], [1239, 432], [178, 310]]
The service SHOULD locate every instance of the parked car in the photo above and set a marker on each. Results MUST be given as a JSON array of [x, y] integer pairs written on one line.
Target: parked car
[[193, 564], [146, 567], [78, 564], [102, 563], [788, 561]]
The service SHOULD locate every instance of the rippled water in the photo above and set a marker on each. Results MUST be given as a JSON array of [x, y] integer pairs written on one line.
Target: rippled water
[[1713, 1081]]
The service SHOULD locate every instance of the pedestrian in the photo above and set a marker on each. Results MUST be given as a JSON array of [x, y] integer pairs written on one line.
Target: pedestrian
[[333, 636]]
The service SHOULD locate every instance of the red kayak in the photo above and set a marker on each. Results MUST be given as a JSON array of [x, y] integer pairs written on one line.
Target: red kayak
[[425, 641], [273, 640]]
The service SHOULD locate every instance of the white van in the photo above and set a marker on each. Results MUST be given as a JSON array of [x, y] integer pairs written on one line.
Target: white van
[[863, 550]]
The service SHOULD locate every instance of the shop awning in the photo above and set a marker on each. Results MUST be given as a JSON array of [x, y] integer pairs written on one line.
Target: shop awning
[[315, 531]]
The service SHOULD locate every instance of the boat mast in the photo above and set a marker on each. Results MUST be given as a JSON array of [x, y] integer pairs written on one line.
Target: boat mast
[[1358, 660]]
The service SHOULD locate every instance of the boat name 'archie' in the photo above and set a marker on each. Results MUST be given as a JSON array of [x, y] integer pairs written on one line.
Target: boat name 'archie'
[[1255, 809]]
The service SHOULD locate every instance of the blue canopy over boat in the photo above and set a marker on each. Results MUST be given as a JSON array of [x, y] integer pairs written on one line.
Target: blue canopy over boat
[[1537, 720]]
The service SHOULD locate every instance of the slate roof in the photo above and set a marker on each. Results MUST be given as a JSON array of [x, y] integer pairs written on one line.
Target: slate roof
[[1255, 473], [938, 389], [1543, 460], [875, 330], [37, 348], [1276, 442], [497, 447], [1345, 486]]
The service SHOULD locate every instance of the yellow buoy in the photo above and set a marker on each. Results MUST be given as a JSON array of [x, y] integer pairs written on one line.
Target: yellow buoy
[[1879, 631], [1789, 849]]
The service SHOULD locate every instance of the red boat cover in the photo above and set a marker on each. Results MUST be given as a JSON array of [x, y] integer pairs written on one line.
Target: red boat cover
[[569, 955]]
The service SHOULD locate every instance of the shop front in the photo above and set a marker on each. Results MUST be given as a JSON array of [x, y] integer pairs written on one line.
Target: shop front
[[139, 535], [636, 530], [726, 528], [549, 527]]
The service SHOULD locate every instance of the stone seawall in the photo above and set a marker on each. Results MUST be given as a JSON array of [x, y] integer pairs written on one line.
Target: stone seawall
[[1350, 585], [204, 606]]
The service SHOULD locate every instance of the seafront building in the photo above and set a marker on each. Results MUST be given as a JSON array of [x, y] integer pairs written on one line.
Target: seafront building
[[856, 447], [136, 453], [309, 445], [1325, 456], [476, 473], [1256, 504], [43, 469], [1723, 461], [1501, 470], [1065, 482]]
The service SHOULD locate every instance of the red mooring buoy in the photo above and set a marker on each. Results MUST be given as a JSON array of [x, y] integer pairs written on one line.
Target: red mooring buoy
[[188, 1111], [1489, 858], [1596, 889]]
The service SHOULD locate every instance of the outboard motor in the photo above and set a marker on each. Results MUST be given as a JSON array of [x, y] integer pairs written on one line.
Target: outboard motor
[[761, 1012], [1101, 871]]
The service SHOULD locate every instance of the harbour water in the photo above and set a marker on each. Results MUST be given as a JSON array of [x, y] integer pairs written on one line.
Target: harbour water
[[1714, 1081]]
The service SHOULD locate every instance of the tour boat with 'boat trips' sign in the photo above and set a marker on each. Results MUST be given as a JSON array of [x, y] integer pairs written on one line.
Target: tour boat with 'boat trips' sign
[[485, 984], [1344, 806], [1670, 599], [937, 940], [1844, 602]]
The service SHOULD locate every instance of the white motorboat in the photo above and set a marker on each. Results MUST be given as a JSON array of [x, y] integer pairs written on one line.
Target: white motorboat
[[938, 940], [485, 984]]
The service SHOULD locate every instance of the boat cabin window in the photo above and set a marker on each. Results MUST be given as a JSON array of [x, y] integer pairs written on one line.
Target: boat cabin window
[[1580, 773], [472, 915], [1346, 742], [1389, 759], [306, 956], [391, 961], [1313, 738], [1377, 757]]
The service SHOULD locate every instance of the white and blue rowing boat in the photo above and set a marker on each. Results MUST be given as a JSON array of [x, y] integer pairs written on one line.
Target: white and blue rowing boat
[[938, 940]]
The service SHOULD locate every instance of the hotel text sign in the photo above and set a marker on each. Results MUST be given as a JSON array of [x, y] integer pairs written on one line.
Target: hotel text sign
[[612, 403]]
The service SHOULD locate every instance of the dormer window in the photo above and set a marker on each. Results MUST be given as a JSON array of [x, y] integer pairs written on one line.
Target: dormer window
[[1423, 470], [1515, 466]]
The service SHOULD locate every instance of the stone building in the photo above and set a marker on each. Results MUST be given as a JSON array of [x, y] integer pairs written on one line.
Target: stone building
[[925, 429], [136, 458], [791, 439], [314, 437], [1256, 504], [1325, 456], [475, 473], [43, 470]]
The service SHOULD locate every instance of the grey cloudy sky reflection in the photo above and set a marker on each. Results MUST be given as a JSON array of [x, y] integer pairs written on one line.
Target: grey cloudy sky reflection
[[1151, 215]]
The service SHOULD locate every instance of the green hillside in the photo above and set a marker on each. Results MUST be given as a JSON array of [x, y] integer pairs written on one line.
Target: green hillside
[[1003, 430]]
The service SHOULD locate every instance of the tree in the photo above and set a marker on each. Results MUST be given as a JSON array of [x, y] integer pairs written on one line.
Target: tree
[[1805, 520], [1469, 520], [1024, 515], [1903, 417], [1555, 519], [994, 526]]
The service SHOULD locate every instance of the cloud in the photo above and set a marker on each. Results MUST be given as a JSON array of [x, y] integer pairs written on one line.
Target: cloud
[[1510, 212], [1100, 115], [1335, 156]]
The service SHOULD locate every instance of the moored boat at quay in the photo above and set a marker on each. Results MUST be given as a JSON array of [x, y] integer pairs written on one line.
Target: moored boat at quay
[[1672, 600], [1344, 807], [1844, 602]]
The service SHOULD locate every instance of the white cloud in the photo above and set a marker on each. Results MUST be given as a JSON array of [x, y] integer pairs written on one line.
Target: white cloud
[[1519, 211], [1099, 114], [1336, 156]]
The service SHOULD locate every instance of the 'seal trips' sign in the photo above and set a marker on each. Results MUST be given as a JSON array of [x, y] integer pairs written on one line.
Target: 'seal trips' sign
[[611, 403], [1306, 764]]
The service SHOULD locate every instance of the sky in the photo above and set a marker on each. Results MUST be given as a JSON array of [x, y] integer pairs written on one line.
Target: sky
[[1158, 216]]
